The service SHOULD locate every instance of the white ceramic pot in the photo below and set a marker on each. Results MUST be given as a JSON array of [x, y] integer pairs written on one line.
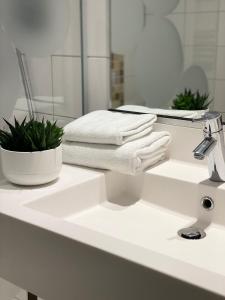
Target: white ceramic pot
[[31, 168], [200, 113]]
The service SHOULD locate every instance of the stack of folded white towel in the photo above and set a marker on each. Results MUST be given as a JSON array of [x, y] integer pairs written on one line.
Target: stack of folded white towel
[[115, 141]]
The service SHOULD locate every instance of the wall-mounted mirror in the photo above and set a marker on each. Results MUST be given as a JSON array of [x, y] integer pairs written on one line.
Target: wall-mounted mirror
[[46, 36], [168, 56]]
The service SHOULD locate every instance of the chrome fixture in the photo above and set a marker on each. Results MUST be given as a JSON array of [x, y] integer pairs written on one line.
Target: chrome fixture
[[207, 203], [212, 146], [197, 230], [192, 233]]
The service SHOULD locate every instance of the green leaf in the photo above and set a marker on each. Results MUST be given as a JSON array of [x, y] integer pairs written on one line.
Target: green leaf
[[191, 101], [31, 136]]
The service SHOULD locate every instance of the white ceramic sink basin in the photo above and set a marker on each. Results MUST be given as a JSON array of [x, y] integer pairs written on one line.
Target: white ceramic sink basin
[[148, 211], [136, 220]]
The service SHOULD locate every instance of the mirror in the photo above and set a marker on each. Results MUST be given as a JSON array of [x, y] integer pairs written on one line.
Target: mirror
[[9, 73], [43, 45], [37, 27], [167, 50]]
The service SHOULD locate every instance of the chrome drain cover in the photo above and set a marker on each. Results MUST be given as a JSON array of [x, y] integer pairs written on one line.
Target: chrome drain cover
[[192, 233]]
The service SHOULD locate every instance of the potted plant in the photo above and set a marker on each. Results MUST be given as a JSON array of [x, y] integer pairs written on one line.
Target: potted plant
[[31, 152], [189, 100]]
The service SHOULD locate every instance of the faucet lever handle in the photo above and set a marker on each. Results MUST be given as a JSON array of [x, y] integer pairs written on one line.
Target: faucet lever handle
[[213, 121]]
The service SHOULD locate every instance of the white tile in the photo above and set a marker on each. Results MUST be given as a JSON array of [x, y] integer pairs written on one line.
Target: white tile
[[131, 93], [178, 21], [129, 63], [128, 19], [212, 87], [205, 57], [62, 121], [41, 84], [40, 75], [72, 44], [201, 29], [220, 72], [222, 5], [221, 34], [45, 117], [97, 16], [219, 103], [98, 83], [202, 5], [19, 114], [180, 7], [164, 8], [67, 86]]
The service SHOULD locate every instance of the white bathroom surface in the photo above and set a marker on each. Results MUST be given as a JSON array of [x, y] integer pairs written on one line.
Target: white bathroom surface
[[135, 218], [153, 228]]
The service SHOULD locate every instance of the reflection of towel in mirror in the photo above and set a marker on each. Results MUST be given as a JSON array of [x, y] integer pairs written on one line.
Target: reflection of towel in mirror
[[130, 158], [189, 114], [105, 127]]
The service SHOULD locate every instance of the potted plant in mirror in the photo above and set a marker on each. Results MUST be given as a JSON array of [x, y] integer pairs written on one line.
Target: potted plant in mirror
[[31, 152], [194, 101]]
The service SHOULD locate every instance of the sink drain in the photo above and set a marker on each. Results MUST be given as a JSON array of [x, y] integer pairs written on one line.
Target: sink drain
[[192, 233]]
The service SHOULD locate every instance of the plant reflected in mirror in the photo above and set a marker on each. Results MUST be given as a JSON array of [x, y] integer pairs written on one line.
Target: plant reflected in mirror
[[189, 100]]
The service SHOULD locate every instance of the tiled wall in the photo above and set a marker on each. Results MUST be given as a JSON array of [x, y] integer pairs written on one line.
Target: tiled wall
[[201, 26], [220, 74], [57, 79]]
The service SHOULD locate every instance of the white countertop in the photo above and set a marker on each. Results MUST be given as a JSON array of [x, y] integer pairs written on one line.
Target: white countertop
[[13, 198]]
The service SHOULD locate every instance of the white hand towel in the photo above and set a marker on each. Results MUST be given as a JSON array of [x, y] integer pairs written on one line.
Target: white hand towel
[[105, 127], [130, 158], [190, 114]]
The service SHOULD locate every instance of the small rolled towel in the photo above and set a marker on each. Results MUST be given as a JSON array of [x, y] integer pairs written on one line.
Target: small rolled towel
[[105, 127], [130, 158]]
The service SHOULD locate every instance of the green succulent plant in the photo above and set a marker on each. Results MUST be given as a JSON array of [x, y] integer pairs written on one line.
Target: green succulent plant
[[189, 100], [31, 136]]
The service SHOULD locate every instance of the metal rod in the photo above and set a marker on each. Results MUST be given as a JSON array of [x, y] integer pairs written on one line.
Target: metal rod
[[26, 82]]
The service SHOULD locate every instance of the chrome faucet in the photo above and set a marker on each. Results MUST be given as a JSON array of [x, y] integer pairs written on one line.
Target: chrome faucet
[[212, 146]]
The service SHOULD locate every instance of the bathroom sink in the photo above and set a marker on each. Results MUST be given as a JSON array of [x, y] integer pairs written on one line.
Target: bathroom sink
[[147, 211], [108, 236]]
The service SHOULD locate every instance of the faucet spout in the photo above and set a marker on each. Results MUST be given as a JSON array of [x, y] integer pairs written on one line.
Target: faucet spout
[[212, 146], [204, 148]]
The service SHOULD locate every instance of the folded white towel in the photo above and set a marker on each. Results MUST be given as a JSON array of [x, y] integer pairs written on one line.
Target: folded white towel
[[130, 158], [163, 112], [105, 127]]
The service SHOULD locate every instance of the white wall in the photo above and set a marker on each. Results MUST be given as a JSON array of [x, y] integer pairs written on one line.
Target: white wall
[[97, 54], [220, 74], [205, 43], [201, 25]]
